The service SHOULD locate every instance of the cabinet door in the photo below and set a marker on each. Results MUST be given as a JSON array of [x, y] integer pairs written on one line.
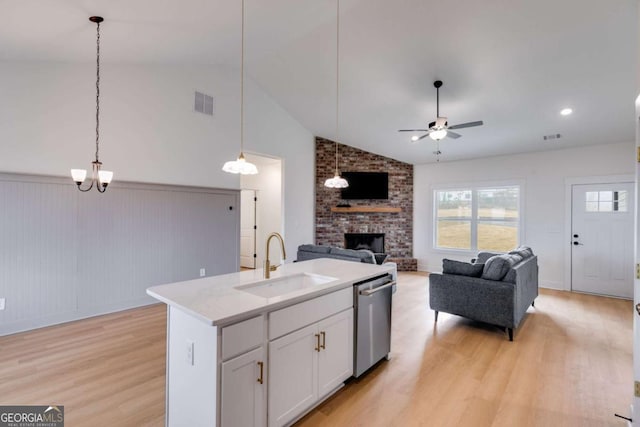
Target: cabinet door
[[293, 380], [336, 355], [242, 400]]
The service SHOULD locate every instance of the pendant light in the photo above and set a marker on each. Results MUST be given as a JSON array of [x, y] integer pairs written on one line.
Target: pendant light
[[240, 165], [337, 181], [99, 177]]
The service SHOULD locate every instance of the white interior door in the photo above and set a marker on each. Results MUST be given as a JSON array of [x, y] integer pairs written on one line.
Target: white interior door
[[602, 239], [248, 229]]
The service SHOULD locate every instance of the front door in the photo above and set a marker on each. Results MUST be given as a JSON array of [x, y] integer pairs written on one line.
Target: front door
[[602, 239]]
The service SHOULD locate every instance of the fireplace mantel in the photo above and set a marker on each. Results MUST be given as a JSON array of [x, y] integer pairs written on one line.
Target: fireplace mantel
[[370, 209]]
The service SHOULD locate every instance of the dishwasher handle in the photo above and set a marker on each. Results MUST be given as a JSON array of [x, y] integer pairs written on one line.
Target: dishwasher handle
[[369, 292]]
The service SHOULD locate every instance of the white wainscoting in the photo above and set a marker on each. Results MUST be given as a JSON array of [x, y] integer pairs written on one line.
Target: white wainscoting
[[66, 255]]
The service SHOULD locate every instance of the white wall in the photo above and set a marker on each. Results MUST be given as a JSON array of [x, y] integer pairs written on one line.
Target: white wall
[[268, 185], [149, 131], [543, 176]]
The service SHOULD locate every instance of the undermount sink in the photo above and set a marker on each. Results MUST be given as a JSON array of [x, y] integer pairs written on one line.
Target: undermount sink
[[284, 285]]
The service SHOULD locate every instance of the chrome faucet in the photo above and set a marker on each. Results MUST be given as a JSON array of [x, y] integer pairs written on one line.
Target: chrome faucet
[[268, 268]]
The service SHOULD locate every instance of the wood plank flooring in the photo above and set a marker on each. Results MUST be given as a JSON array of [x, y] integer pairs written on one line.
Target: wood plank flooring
[[570, 365]]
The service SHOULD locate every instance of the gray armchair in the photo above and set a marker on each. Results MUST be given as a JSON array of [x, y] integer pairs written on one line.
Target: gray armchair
[[497, 289]]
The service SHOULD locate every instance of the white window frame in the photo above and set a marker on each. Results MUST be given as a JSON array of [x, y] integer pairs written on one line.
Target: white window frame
[[474, 187]]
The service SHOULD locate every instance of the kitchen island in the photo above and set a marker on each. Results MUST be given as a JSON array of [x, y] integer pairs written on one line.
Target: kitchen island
[[243, 350]]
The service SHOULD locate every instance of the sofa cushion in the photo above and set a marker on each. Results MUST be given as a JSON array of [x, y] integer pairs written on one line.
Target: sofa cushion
[[460, 268], [497, 267], [315, 248]]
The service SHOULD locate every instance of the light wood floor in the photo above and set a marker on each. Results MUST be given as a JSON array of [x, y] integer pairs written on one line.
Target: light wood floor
[[570, 365]]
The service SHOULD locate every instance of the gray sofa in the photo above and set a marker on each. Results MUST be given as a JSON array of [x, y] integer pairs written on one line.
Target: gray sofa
[[306, 252], [496, 289]]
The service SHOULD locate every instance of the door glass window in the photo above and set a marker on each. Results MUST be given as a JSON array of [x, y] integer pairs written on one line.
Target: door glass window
[[606, 201]]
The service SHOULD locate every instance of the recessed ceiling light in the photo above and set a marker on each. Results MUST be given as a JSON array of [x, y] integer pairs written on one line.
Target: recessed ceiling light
[[566, 111], [415, 138]]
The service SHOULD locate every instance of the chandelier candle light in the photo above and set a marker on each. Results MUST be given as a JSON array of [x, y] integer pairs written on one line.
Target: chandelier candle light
[[99, 177], [337, 181], [240, 165]]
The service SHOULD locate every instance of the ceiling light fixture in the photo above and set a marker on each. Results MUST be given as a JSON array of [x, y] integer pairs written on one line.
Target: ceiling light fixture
[[438, 134], [337, 181], [99, 177], [566, 111], [240, 165], [414, 138]]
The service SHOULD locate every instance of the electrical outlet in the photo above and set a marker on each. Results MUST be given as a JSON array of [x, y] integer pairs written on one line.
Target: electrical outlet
[[1, 303], [202, 272], [190, 348]]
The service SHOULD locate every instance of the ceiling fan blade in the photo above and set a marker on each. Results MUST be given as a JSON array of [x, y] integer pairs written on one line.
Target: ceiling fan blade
[[413, 130], [423, 136], [453, 135], [467, 125]]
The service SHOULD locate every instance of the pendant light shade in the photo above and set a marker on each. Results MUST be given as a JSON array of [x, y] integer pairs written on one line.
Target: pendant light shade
[[337, 181], [240, 165]]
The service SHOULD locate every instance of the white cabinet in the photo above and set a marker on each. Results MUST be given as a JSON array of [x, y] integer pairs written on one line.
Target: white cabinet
[[307, 364], [243, 390], [336, 351]]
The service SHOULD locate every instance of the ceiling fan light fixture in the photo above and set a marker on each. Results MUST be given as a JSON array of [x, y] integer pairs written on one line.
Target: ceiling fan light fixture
[[414, 138], [437, 134], [566, 111]]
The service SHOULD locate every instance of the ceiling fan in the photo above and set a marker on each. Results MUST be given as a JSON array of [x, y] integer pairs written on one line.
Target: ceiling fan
[[440, 129]]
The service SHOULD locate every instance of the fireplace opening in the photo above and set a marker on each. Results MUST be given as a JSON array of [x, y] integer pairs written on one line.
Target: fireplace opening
[[371, 241]]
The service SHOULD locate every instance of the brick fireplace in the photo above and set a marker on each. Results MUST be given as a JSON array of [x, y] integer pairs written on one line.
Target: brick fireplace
[[392, 218]]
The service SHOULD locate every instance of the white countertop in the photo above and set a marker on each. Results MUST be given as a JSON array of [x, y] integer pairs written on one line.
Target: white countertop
[[215, 300]]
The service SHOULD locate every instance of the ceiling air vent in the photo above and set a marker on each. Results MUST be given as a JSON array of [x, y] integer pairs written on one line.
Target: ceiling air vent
[[552, 136], [203, 103]]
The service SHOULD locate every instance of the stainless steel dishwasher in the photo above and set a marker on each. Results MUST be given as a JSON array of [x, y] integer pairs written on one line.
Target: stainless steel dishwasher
[[373, 321]]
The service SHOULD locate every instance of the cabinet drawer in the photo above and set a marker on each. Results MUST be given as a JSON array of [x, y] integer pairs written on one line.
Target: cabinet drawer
[[242, 336], [289, 319]]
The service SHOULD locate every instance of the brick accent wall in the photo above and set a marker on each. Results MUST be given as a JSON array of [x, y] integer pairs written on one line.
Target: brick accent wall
[[398, 227]]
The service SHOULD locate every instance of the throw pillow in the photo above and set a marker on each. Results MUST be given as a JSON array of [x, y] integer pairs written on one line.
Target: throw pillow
[[460, 268], [524, 251], [496, 267]]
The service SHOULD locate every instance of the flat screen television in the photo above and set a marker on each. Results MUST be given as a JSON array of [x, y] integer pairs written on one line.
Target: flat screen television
[[366, 185]]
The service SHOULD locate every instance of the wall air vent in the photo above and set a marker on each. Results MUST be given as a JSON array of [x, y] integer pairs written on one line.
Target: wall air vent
[[552, 136], [203, 103]]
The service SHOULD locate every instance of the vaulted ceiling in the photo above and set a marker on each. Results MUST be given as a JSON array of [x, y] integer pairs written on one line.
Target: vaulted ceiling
[[513, 64]]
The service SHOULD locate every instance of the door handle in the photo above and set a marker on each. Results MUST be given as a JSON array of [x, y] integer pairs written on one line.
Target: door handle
[[324, 340], [577, 243], [638, 308], [261, 377], [317, 342]]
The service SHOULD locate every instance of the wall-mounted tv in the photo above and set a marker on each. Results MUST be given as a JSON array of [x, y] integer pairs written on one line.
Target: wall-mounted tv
[[366, 185]]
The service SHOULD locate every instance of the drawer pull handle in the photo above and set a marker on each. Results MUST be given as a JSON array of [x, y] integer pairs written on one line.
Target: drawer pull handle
[[317, 342], [261, 378], [324, 340]]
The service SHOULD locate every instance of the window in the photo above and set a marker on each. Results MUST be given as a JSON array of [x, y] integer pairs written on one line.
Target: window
[[606, 201], [486, 218]]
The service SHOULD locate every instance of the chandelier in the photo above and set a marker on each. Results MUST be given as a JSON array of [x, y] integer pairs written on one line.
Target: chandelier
[[99, 177]]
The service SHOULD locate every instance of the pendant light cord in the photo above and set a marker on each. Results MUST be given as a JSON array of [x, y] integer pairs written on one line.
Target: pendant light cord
[[337, 72], [97, 90], [337, 80], [242, 87]]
